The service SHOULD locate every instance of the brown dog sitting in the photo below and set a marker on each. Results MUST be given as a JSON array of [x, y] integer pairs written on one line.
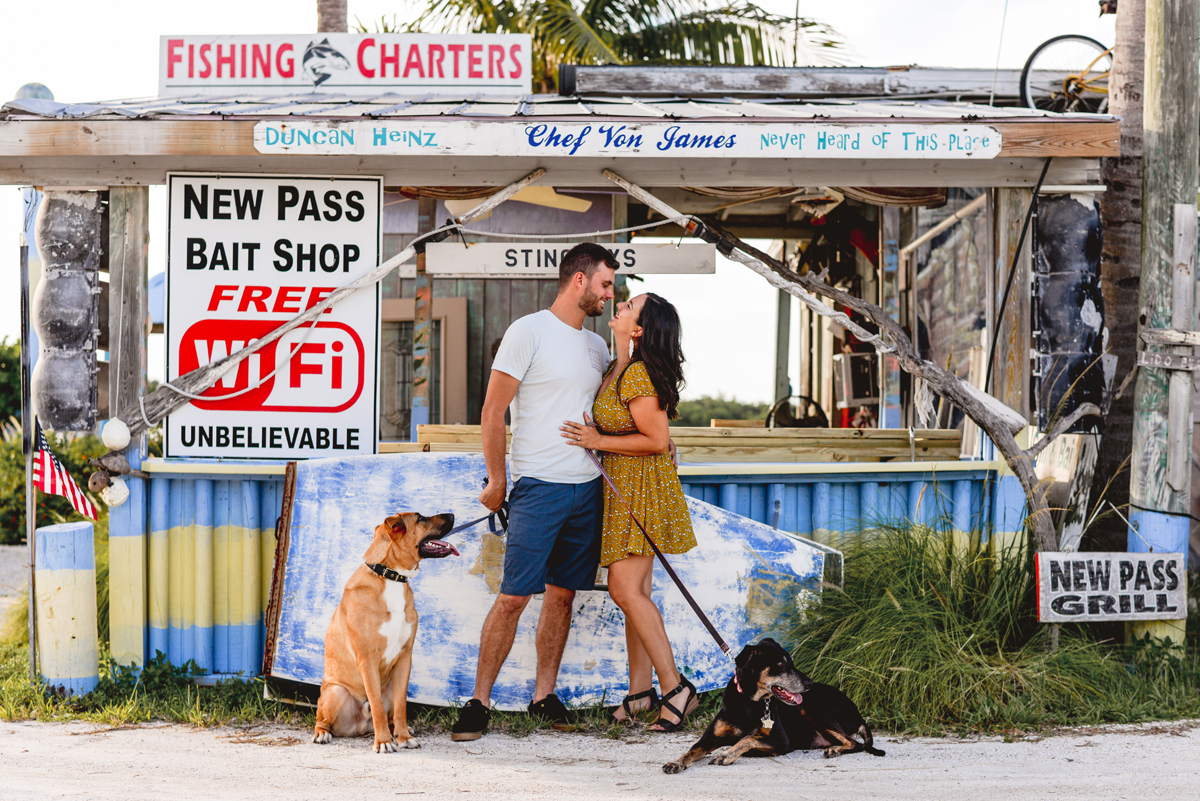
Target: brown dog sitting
[[368, 645]]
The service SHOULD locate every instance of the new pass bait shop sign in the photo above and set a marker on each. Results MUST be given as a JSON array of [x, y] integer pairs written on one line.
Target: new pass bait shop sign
[[246, 254], [344, 63], [1082, 587]]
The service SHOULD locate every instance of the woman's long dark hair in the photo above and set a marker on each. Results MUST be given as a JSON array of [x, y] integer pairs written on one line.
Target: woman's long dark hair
[[660, 351]]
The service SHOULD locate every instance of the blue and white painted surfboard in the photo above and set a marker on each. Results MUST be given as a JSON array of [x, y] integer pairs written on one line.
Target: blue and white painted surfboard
[[743, 573]]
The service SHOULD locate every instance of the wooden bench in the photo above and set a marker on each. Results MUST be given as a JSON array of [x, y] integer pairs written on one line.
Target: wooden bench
[[729, 444]]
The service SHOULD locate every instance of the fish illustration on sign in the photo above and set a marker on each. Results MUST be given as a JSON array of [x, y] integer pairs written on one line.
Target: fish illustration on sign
[[321, 60]]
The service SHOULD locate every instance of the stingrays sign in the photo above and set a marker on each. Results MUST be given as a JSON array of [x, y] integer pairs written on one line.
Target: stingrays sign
[[343, 63]]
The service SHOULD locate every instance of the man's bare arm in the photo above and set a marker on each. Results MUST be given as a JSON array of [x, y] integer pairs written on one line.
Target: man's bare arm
[[502, 388]]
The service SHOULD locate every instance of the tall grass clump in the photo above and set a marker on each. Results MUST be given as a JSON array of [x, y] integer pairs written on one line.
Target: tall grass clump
[[931, 634]]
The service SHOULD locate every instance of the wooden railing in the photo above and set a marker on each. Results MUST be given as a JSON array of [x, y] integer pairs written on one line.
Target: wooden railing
[[729, 444]]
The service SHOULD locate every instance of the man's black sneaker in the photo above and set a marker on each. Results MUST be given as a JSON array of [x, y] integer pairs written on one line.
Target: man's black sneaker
[[472, 721], [551, 709]]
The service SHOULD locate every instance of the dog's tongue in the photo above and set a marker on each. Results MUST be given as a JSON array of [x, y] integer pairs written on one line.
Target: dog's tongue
[[440, 545], [792, 698]]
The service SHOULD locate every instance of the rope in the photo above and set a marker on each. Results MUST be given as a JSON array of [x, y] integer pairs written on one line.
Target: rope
[[451, 227], [278, 366], [498, 235]]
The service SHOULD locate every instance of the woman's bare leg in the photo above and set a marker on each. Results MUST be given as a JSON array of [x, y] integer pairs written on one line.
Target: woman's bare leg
[[630, 584]]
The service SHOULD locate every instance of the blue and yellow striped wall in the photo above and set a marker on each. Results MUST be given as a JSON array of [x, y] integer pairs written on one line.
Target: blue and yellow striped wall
[[203, 535], [207, 530], [827, 502]]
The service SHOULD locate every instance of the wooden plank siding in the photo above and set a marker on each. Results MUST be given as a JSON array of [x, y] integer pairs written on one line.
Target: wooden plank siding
[[736, 444]]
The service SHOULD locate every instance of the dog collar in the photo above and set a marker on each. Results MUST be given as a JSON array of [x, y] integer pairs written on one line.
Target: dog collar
[[390, 574]]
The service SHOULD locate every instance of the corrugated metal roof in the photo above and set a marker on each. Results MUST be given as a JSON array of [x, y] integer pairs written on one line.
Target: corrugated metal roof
[[339, 106]]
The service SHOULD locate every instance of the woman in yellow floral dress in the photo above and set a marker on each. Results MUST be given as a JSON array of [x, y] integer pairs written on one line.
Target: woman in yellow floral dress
[[631, 413]]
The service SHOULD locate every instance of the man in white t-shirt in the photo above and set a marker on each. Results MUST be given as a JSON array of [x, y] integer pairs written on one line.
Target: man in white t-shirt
[[547, 371]]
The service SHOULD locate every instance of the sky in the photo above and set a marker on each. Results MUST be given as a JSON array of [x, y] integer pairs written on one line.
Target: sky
[[86, 51]]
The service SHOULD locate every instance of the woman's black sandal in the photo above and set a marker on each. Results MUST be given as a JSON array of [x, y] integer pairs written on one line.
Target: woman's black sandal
[[652, 694], [667, 726]]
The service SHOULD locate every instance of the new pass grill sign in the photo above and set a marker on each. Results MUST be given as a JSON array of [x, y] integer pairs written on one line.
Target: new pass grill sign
[[246, 254], [1083, 587], [344, 63]]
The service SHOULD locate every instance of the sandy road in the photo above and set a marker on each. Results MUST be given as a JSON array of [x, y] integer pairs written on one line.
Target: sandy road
[[163, 761]]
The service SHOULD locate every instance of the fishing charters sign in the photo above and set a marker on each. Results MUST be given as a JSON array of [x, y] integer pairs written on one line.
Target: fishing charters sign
[[607, 138], [344, 63], [1076, 587], [245, 254]]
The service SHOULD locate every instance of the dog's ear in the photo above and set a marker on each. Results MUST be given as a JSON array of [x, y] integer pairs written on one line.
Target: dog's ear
[[740, 674], [766, 640], [397, 525]]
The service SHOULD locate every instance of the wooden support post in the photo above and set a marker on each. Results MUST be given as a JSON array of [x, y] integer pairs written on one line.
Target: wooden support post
[[890, 411], [1160, 491], [783, 333], [1010, 377], [1179, 411], [422, 324], [620, 219], [128, 237], [806, 351], [27, 434]]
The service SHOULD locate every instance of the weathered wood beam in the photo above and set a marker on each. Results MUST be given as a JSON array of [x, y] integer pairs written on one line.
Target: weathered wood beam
[[68, 170], [1028, 138], [792, 82]]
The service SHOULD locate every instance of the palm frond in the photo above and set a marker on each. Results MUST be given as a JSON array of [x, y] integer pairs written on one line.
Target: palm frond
[[735, 34], [469, 16], [627, 16], [557, 27]]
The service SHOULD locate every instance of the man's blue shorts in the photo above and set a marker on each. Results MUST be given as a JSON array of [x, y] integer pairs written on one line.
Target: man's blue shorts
[[553, 536]]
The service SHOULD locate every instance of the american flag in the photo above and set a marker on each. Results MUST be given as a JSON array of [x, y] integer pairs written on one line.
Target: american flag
[[53, 479]]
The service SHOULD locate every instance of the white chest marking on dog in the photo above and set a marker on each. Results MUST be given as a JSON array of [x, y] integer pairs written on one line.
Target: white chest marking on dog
[[395, 630]]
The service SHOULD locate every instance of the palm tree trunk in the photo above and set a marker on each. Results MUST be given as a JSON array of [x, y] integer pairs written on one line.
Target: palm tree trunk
[[331, 16], [1121, 260]]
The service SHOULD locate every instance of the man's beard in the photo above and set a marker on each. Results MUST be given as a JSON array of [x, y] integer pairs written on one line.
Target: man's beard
[[591, 304]]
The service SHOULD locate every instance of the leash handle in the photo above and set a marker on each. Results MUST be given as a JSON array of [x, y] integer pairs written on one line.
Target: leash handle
[[712, 630], [500, 514]]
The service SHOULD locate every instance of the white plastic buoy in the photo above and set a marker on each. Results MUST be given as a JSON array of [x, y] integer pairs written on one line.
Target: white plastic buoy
[[115, 493], [115, 435]]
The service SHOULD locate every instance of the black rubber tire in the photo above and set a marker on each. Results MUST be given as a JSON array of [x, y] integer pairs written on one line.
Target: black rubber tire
[[1027, 99]]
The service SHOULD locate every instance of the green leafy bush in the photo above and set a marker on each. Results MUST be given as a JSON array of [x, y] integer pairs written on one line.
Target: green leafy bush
[[10, 380], [702, 411]]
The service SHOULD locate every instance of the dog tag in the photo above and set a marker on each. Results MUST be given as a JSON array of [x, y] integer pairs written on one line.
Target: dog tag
[[767, 723]]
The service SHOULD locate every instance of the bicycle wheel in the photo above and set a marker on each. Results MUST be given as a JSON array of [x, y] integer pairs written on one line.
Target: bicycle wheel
[[1067, 73]]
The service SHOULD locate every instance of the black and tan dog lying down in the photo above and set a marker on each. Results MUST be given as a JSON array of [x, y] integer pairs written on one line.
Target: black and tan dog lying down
[[771, 708]]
